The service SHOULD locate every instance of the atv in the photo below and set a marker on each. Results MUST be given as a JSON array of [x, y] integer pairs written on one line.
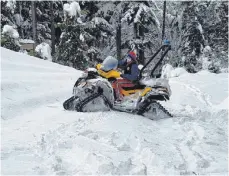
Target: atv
[[93, 91]]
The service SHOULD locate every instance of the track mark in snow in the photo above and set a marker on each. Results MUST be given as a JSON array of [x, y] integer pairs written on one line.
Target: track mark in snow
[[200, 95]]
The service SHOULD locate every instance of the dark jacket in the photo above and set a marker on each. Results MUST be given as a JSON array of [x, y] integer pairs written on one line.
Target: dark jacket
[[131, 70]]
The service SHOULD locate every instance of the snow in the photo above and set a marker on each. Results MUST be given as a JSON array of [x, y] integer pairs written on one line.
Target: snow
[[72, 9], [40, 137], [18, 18], [138, 15], [101, 21], [140, 66], [166, 71], [169, 72], [10, 31], [224, 70], [44, 51], [178, 72], [205, 62], [82, 37], [200, 28], [11, 4], [207, 49]]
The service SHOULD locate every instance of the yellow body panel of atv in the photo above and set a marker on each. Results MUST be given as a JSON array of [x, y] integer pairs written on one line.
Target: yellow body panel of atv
[[145, 91], [130, 92], [116, 74], [109, 74]]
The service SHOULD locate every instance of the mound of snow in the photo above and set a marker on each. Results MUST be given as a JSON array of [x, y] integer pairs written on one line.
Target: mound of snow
[[178, 72], [10, 31], [168, 71], [44, 50]]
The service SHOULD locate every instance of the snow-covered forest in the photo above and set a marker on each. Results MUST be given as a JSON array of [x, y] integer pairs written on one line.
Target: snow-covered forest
[[85, 32]]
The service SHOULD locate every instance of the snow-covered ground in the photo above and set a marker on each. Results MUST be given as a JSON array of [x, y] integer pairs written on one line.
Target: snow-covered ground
[[40, 137]]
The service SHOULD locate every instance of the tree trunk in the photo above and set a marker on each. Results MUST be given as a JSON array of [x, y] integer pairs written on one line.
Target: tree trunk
[[52, 28], [118, 38], [33, 8], [141, 50]]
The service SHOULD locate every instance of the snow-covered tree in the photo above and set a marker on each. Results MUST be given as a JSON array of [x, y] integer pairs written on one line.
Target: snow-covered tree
[[9, 38], [193, 40], [146, 26], [81, 37]]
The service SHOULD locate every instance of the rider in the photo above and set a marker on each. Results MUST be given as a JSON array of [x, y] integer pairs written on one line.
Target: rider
[[131, 72]]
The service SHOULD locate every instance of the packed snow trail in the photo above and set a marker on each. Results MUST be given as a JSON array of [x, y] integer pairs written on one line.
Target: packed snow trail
[[40, 137]]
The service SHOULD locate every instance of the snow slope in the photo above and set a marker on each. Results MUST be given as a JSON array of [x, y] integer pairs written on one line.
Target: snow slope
[[40, 137]]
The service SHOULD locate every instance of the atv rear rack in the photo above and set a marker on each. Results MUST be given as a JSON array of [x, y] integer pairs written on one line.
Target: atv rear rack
[[166, 46]]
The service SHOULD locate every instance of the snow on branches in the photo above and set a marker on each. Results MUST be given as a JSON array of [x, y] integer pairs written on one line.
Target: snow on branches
[[72, 9], [10, 31]]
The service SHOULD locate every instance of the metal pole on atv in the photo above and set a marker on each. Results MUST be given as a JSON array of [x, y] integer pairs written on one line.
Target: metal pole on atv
[[167, 44]]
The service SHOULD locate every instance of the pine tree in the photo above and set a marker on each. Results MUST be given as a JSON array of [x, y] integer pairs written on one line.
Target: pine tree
[[193, 40], [80, 41], [145, 27]]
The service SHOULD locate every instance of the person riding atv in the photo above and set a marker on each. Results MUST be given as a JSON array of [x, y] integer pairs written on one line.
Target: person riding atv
[[95, 89], [130, 66]]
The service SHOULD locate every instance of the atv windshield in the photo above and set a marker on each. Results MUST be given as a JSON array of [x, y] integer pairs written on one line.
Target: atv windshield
[[110, 63]]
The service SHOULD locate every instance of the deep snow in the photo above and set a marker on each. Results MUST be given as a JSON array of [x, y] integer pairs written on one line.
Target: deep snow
[[40, 137]]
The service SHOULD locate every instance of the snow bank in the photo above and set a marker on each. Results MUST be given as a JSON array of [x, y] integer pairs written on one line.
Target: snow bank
[[72, 9], [178, 72], [169, 72], [10, 31], [44, 50], [166, 71]]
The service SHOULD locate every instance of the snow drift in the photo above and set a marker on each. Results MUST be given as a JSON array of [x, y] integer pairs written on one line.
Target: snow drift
[[39, 137]]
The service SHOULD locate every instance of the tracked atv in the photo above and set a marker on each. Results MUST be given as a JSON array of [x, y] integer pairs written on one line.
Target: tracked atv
[[93, 91]]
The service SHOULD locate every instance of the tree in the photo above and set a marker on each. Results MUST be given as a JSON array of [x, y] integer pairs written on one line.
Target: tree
[[80, 40], [145, 23]]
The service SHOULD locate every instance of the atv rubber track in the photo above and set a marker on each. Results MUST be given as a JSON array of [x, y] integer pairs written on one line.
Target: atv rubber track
[[79, 106]]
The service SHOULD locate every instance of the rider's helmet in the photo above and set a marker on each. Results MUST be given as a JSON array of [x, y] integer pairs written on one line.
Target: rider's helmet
[[109, 63]]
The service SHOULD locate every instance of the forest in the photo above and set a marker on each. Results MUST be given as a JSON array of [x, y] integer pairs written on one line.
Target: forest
[[81, 33]]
